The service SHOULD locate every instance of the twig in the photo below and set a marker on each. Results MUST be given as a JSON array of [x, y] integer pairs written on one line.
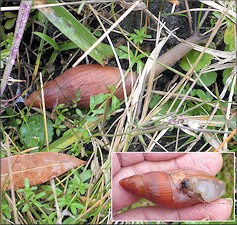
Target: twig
[[231, 135], [22, 19], [11, 180], [189, 16], [59, 215], [44, 112]]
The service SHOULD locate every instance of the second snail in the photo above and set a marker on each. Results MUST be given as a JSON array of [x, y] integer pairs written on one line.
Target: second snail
[[175, 189]]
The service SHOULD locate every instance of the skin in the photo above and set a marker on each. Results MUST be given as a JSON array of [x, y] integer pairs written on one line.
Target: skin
[[128, 164]]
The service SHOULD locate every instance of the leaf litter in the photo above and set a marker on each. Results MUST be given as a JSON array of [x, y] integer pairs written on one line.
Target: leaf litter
[[38, 167]]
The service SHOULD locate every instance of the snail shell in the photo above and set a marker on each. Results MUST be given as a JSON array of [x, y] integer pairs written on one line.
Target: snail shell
[[90, 80], [175, 189]]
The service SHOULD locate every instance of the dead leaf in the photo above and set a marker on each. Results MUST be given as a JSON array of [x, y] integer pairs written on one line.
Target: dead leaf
[[37, 167]]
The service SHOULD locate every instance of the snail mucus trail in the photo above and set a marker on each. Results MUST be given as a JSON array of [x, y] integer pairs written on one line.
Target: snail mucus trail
[[175, 189]]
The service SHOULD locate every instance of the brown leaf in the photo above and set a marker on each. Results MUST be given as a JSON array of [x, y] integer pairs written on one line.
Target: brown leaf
[[37, 167]]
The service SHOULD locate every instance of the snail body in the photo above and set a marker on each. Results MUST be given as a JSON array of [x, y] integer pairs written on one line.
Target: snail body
[[175, 189], [89, 80], [93, 79]]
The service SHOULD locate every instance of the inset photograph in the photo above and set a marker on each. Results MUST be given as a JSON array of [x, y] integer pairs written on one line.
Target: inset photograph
[[172, 186]]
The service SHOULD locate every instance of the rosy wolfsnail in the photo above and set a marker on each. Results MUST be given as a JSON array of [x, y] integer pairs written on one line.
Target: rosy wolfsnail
[[93, 79], [88, 79], [175, 189]]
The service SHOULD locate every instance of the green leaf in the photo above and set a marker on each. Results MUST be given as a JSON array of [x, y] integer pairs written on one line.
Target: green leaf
[[25, 208], [208, 78], [85, 134], [200, 93], [166, 107], [6, 209], [37, 204], [27, 183], [74, 206], [41, 17], [192, 56], [40, 195], [5, 53], [61, 18], [139, 35], [92, 102], [140, 66], [79, 112], [115, 103], [96, 100], [32, 133], [48, 39], [78, 95], [154, 100], [86, 175], [10, 23], [83, 187], [98, 111], [91, 119], [100, 98], [9, 15], [226, 74], [67, 46], [1, 64], [61, 143], [229, 37]]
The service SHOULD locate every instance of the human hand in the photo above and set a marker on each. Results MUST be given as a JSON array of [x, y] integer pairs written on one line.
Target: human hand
[[128, 164]]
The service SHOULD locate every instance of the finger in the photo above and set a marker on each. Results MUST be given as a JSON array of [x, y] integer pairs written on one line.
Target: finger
[[116, 164], [207, 162], [162, 156], [219, 210], [127, 158], [130, 158]]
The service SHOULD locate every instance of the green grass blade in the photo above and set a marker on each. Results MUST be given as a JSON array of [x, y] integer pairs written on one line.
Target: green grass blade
[[62, 143], [48, 39], [61, 18], [67, 46]]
